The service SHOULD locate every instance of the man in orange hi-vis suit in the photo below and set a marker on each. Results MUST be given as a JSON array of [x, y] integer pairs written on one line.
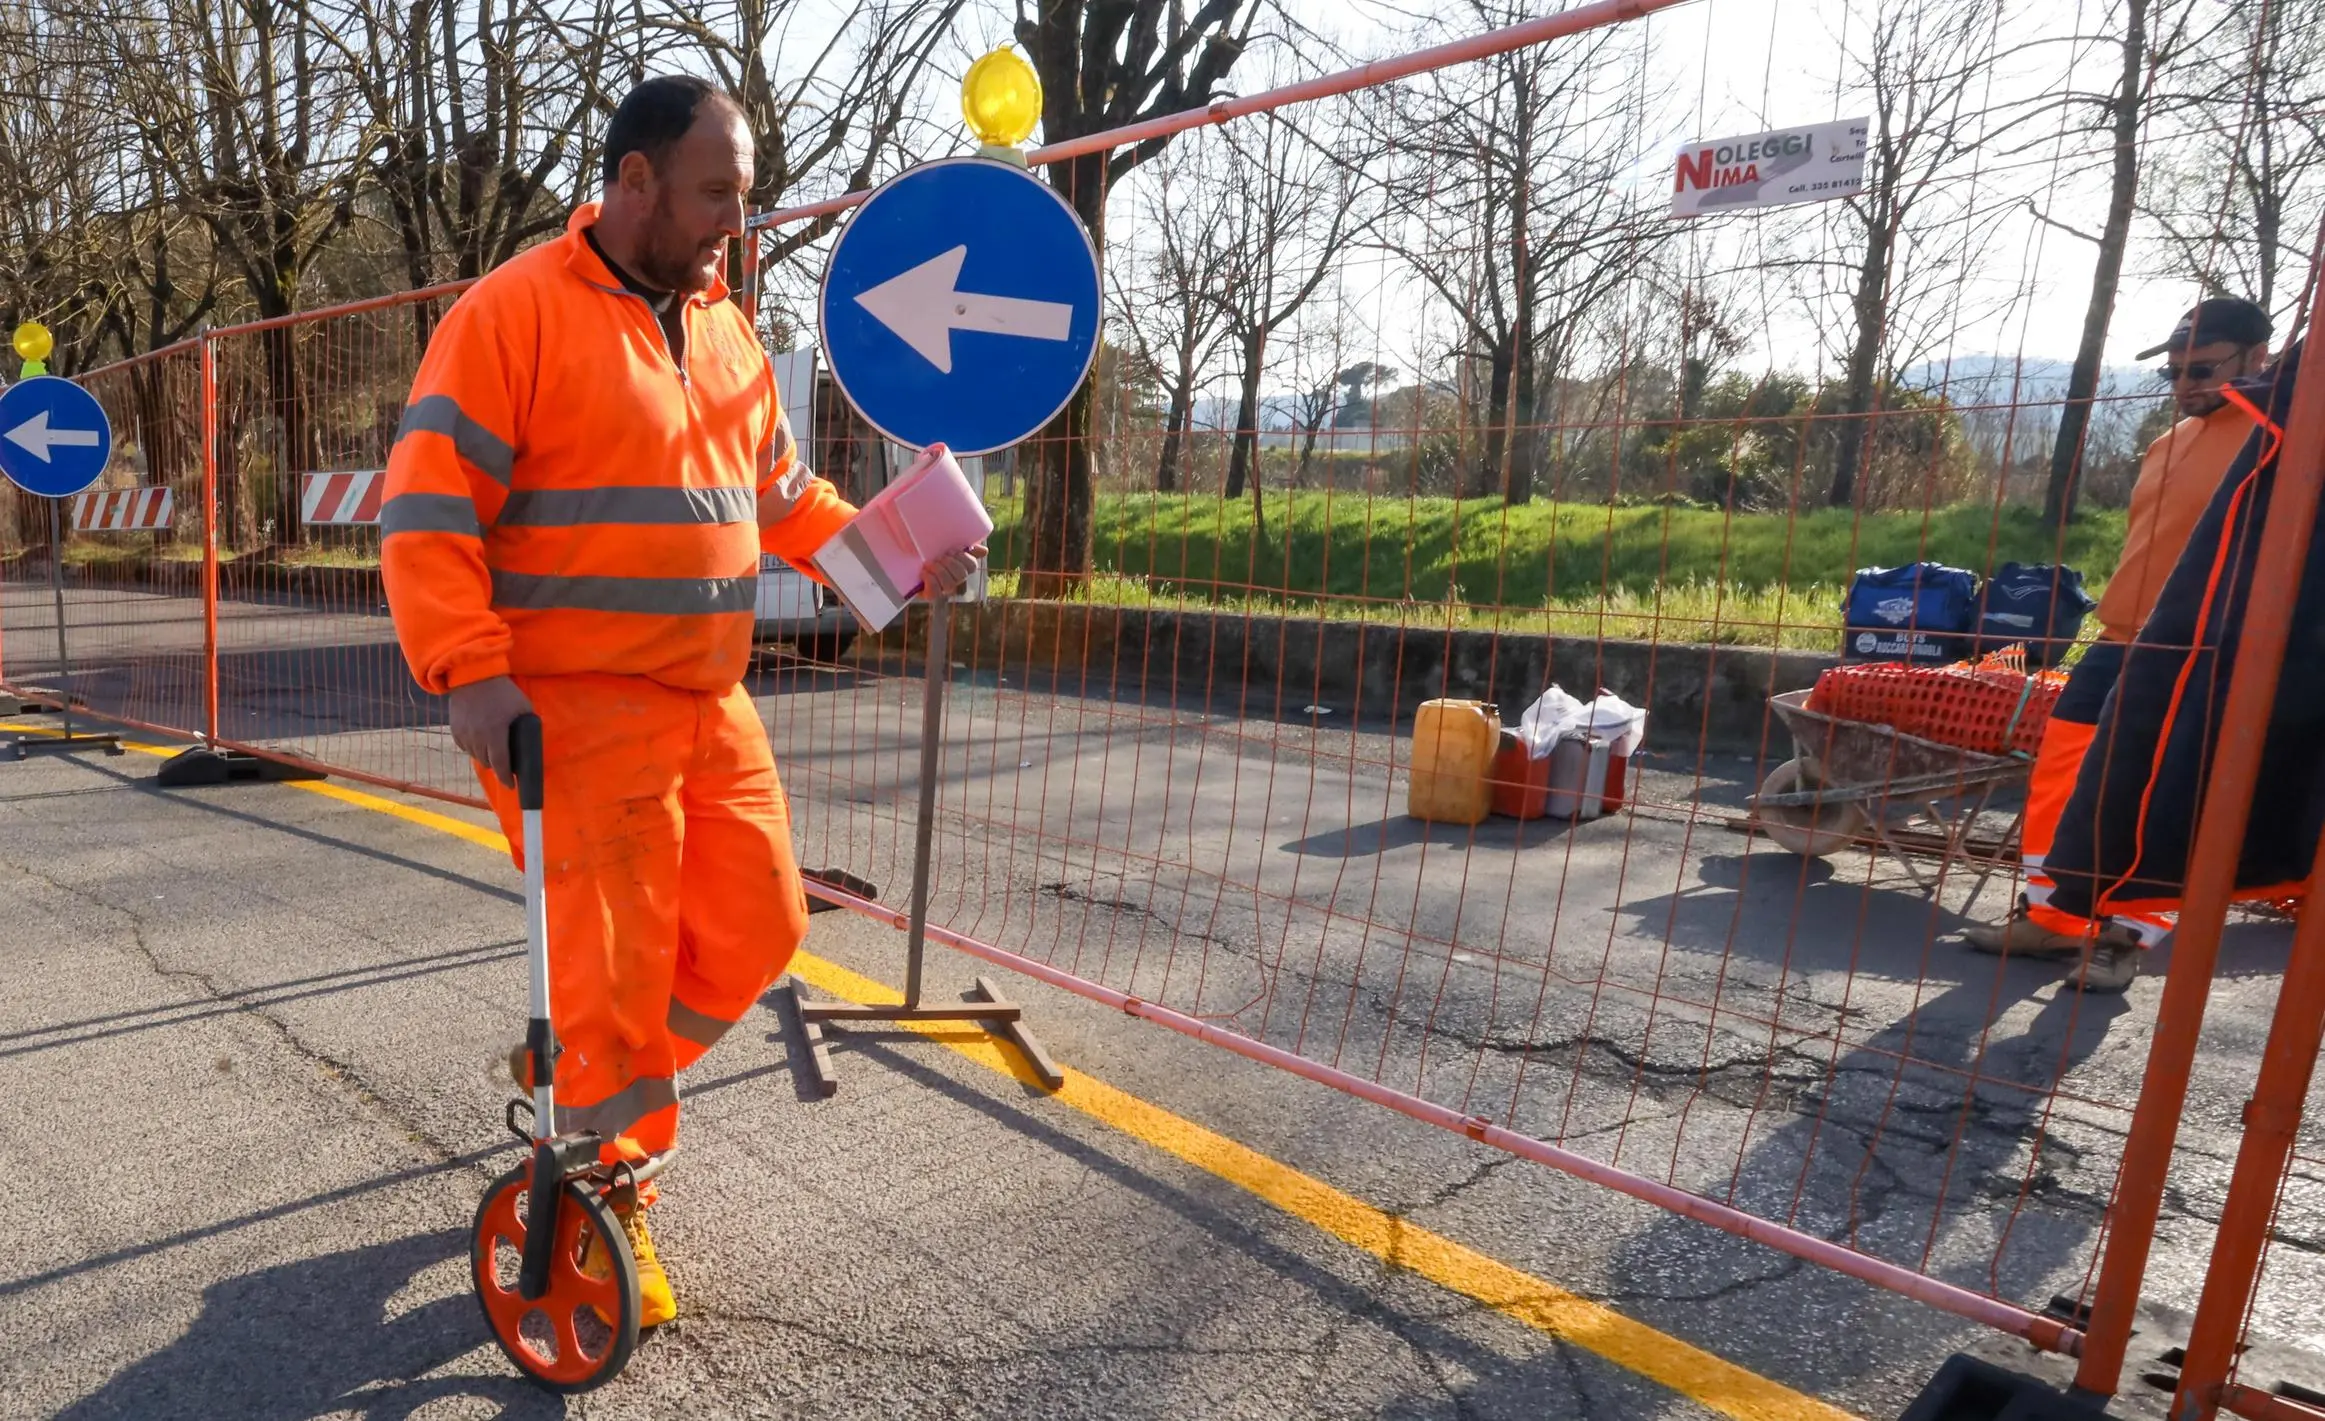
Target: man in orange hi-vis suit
[[2220, 341], [593, 458]]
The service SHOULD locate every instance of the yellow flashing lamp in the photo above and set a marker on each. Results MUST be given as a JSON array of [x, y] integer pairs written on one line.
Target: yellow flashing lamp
[[33, 345], [1001, 99]]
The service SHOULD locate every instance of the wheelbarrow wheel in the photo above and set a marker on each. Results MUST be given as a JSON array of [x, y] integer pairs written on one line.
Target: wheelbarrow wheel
[[580, 1333], [1812, 831]]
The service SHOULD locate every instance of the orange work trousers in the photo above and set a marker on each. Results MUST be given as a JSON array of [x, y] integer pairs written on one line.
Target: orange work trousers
[[674, 899]]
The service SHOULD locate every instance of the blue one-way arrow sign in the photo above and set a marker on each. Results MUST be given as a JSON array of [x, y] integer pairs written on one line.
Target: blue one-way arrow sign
[[961, 306], [54, 437]]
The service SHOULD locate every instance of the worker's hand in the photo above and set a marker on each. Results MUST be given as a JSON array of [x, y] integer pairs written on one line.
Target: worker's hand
[[482, 712], [949, 574]]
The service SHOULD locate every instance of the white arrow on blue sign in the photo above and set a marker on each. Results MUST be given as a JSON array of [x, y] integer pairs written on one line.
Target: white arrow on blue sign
[[961, 306], [54, 437]]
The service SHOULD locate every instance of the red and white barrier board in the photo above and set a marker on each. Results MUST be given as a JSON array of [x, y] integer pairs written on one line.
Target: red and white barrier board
[[123, 510], [341, 500]]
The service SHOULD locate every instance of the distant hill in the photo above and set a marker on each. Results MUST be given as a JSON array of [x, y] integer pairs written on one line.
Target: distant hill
[[2014, 400], [2029, 380], [1999, 395]]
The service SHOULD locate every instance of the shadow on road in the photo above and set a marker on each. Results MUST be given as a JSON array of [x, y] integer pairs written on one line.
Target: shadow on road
[[1931, 1139], [1421, 1318], [321, 1336], [1400, 831]]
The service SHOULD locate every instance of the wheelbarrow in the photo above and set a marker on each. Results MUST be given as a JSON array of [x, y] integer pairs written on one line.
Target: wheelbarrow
[[1850, 783]]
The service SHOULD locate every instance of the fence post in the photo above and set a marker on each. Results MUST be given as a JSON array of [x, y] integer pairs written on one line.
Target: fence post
[[2271, 1118], [2273, 1114], [209, 539], [2211, 881]]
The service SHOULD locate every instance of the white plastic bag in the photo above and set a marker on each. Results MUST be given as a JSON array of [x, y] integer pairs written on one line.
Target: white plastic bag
[[1547, 721], [1558, 716], [1615, 720]]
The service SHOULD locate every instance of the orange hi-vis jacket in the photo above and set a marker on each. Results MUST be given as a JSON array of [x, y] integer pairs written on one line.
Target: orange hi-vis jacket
[[563, 498]]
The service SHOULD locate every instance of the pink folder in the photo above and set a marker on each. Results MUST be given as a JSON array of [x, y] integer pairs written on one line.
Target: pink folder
[[929, 511]]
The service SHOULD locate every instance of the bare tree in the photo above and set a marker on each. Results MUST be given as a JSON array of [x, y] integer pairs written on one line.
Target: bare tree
[[251, 116], [1105, 63], [2240, 183], [1301, 202], [2147, 38], [840, 111], [476, 109], [1510, 206], [1329, 390], [1167, 294], [1920, 69], [58, 209]]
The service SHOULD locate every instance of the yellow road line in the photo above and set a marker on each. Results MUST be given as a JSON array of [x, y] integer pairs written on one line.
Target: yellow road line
[[1710, 1381], [409, 813]]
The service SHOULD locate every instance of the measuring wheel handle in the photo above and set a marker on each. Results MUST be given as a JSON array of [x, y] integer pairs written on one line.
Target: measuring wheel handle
[[570, 1320]]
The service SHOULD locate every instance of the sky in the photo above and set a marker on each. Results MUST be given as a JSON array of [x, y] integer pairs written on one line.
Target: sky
[[1725, 68]]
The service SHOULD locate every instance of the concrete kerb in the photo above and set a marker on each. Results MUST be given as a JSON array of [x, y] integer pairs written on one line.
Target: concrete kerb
[[1695, 695]]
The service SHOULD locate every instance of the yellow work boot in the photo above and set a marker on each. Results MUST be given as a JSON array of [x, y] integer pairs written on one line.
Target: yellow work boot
[[656, 1303]]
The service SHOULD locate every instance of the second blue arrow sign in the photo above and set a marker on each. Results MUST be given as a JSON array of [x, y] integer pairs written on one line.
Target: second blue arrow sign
[[961, 306]]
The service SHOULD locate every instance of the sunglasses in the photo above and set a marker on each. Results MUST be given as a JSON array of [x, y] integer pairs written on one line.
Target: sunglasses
[[2196, 370]]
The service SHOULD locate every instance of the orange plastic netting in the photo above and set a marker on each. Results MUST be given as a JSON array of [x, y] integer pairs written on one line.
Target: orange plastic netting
[[1992, 706]]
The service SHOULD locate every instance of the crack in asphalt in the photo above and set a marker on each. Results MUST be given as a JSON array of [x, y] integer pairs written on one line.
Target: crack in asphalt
[[342, 1074], [700, 1315]]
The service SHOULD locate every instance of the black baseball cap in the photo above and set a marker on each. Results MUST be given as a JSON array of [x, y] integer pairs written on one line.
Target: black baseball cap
[[2228, 318]]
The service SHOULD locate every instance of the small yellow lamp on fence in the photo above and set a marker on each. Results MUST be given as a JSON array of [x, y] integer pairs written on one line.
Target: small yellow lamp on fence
[[33, 344], [1001, 99]]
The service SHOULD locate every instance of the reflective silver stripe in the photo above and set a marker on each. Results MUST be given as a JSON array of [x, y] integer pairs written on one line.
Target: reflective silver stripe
[[852, 538], [429, 513], [621, 1110], [783, 495], [574, 507], [779, 446], [701, 1028], [663, 596], [441, 414]]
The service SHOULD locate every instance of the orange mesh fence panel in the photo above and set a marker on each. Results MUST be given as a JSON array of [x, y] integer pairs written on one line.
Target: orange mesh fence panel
[[1177, 766], [308, 664], [1357, 443], [132, 558]]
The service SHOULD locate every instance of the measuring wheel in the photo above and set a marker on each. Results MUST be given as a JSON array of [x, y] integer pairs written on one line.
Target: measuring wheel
[[549, 1257], [579, 1331]]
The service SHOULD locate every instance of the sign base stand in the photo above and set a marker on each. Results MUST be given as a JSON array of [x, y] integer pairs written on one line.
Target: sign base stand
[[984, 1005], [64, 743]]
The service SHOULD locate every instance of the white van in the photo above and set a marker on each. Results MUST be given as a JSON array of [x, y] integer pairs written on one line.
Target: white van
[[792, 606]]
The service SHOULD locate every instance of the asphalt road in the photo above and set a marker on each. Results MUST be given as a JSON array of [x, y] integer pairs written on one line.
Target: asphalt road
[[313, 993]]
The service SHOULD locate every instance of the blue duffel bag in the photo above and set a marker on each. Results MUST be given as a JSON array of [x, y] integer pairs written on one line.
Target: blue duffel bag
[[1924, 612], [2040, 604]]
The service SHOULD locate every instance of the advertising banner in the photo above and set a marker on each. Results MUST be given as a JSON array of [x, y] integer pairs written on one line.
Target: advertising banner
[[1772, 169]]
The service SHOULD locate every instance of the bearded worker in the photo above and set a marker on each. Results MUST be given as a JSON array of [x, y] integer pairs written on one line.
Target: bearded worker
[[593, 459]]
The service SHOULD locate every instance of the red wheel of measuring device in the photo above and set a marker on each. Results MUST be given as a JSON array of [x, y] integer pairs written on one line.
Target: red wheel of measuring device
[[579, 1333]]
